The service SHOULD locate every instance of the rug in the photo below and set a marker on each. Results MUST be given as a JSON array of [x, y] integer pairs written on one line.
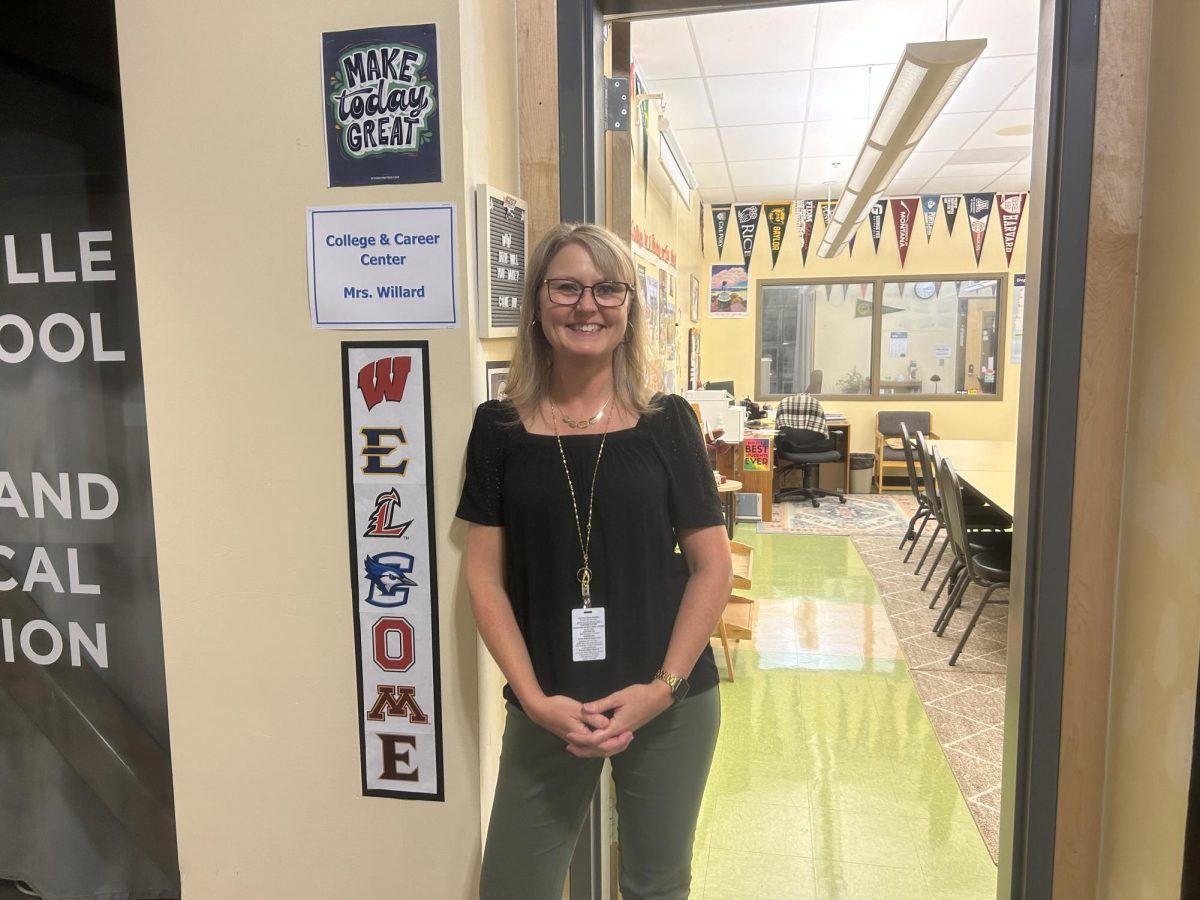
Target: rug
[[861, 514], [964, 703]]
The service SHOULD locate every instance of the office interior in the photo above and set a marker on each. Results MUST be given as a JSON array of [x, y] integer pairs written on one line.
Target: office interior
[[225, 152]]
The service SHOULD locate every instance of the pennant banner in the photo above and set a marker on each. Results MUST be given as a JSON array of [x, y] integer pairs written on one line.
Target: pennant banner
[[805, 216], [979, 211], [1012, 207], [929, 206], [904, 213], [777, 215], [747, 224], [721, 212], [875, 217], [827, 210], [950, 206]]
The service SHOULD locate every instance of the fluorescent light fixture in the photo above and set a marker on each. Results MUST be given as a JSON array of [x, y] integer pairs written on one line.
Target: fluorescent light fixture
[[925, 79]]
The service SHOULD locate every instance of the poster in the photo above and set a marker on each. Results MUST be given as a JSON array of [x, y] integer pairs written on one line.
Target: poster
[[382, 266], [497, 378], [757, 454], [1018, 321], [381, 99], [898, 345], [393, 567], [728, 288], [501, 234]]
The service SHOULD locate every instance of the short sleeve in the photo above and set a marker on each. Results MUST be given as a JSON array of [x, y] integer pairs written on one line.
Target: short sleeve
[[481, 501], [693, 490]]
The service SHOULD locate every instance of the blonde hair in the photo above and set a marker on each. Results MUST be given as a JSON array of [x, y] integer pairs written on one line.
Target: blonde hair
[[529, 372]]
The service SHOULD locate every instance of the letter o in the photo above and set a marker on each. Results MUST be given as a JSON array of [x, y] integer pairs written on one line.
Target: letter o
[[56, 642], [21, 353], [73, 326], [407, 655]]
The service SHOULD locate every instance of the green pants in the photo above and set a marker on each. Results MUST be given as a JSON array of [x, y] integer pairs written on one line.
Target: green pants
[[542, 795]]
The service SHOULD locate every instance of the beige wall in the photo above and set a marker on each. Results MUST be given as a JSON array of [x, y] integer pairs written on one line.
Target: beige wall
[[729, 346], [225, 148], [1153, 698]]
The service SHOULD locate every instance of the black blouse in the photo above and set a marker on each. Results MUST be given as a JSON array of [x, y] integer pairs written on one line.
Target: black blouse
[[654, 480]]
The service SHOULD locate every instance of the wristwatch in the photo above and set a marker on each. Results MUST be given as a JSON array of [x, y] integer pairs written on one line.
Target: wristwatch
[[677, 683]]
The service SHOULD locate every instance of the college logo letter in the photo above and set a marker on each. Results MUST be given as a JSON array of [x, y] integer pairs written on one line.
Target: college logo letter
[[397, 655], [399, 700], [375, 450], [394, 757], [384, 379]]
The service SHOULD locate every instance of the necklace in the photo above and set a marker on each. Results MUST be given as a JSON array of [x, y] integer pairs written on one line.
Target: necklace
[[581, 423], [585, 537]]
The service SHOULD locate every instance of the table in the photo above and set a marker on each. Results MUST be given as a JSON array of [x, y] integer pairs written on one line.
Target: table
[[986, 468], [729, 491]]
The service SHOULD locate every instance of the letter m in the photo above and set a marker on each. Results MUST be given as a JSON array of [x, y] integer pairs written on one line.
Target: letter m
[[384, 379]]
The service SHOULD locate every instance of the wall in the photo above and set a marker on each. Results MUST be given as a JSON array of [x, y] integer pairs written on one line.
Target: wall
[[1157, 634], [729, 346], [225, 150]]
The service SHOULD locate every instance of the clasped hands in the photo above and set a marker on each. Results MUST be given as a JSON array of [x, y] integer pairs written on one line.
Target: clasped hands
[[603, 727]]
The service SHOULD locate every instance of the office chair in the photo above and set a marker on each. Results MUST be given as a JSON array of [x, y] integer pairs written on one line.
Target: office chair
[[796, 448]]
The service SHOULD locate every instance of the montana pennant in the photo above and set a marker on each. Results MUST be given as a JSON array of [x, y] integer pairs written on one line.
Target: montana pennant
[[904, 214]]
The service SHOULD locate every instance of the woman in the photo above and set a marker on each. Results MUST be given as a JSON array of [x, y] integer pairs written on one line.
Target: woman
[[579, 486]]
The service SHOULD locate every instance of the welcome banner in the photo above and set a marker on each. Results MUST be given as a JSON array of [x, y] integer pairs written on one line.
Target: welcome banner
[[776, 215]]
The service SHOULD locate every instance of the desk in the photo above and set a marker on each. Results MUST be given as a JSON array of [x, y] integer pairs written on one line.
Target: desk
[[900, 387], [731, 462], [986, 468], [729, 491]]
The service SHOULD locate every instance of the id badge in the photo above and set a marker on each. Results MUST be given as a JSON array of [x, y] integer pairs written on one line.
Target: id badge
[[587, 634]]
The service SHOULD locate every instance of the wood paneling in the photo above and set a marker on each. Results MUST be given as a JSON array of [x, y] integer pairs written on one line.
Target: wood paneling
[[537, 110], [1109, 289]]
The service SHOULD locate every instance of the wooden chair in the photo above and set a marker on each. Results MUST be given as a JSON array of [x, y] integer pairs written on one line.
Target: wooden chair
[[737, 621], [890, 462]]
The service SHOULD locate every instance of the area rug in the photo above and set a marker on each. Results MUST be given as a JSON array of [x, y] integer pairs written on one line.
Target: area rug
[[965, 702], [861, 514]]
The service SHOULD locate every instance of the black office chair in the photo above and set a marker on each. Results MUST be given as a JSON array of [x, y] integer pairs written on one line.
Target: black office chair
[[796, 448]]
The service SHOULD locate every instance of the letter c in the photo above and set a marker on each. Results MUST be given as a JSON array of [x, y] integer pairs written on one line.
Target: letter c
[[7, 553]]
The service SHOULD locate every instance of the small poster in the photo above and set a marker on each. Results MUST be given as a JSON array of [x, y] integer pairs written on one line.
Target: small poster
[[929, 208], [728, 287], [950, 204], [501, 233], [979, 212], [898, 346], [757, 455], [806, 215], [1010, 208], [497, 378], [904, 213], [381, 101], [382, 266], [1018, 321], [747, 223], [875, 217], [393, 567], [777, 218], [721, 213]]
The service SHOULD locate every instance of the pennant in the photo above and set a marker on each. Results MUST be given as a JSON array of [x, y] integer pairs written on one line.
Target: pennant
[[805, 217], [929, 205], [875, 217], [904, 213], [979, 211], [721, 224], [1012, 207], [950, 206], [777, 215], [747, 225]]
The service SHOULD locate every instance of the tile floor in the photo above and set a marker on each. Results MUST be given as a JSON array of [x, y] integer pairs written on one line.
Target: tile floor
[[828, 780]]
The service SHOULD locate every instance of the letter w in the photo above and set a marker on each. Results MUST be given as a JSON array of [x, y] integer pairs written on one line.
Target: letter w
[[384, 379]]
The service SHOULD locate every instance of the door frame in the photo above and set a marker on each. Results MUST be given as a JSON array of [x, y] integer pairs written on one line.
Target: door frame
[[1065, 123]]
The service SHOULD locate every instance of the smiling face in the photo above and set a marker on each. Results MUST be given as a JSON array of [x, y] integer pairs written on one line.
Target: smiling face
[[585, 330]]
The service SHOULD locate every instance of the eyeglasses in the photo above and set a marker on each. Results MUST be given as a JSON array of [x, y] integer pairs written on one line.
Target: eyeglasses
[[566, 292]]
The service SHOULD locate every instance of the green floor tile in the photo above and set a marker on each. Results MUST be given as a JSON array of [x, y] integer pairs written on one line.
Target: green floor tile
[[748, 875]]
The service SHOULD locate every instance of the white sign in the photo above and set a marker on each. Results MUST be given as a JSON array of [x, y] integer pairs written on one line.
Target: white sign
[[941, 351], [899, 344], [382, 266], [393, 567]]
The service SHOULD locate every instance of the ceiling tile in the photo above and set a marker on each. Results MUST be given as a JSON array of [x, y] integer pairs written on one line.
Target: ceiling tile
[[881, 77], [765, 171], [840, 93], [1024, 167], [686, 101], [767, 193], [989, 83], [1023, 97], [1010, 183], [975, 169], [717, 195], [990, 154], [662, 48], [816, 190], [759, 99], [714, 174], [700, 145], [825, 168], [841, 138], [1010, 27], [761, 141], [958, 185], [756, 40], [949, 132], [905, 187], [869, 32], [1004, 120], [922, 164]]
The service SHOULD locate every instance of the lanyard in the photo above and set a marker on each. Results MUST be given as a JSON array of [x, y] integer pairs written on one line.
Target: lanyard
[[585, 539]]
